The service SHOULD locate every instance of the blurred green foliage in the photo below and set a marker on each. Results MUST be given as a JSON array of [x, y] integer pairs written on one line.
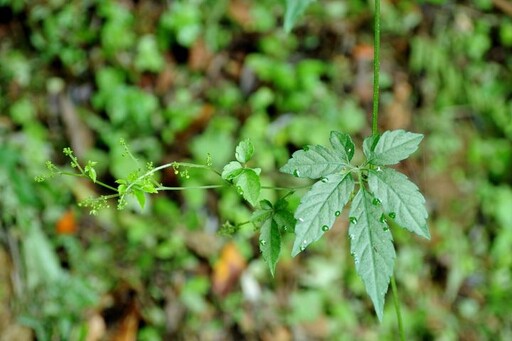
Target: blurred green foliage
[[178, 80]]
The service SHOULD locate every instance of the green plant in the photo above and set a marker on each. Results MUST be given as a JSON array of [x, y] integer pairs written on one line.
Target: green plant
[[380, 196]]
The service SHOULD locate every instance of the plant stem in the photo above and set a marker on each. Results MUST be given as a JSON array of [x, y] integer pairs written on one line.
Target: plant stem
[[164, 188], [376, 68], [396, 300]]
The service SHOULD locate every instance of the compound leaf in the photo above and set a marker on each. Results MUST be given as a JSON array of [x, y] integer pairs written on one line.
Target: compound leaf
[[270, 243], [401, 200], [372, 247], [319, 208], [294, 9], [391, 147]]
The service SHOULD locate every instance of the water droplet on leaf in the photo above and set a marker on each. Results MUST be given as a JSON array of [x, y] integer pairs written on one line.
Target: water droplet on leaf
[[385, 228], [296, 173], [392, 215], [302, 248], [324, 180], [379, 169], [353, 220], [382, 218], [376, 201], [325, 228], [263, 242], [337, 213], [306, 148], [301, 220], [304, 241]]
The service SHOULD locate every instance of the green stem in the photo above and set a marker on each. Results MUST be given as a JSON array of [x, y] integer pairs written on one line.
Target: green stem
[[164, 188], [376, 68], [396, 300], [87, 177]]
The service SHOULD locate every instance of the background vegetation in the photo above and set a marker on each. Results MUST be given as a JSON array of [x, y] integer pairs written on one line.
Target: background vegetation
[[180, 79]]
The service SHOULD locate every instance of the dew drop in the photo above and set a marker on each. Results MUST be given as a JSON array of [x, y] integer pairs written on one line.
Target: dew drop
[[353, 254], [337, 213], [351, 236], [263, 242], [306, 148], [301, 220], [376, 201], [304, 241], [385, 228], [239, 190], [353, 220], [325, 228], [296, 173], [349, 150], [324, 180], [302, 248], [392, 215], [379, 169], [382, 218]]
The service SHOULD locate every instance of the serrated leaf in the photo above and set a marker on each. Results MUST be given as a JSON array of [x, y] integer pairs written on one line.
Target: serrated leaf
[[342, 143], [231, 170], [314, 163], [372, 247], [369, 144], [319, 207], [248, 184], [270, 243], [294, 9], [392, 147], [402, 198], [260, 215], [285, 221], [244, 151]]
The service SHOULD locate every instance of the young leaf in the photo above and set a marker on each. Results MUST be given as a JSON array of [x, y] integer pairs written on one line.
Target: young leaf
[[320, 207], [392, 147], [400, 197], [372, 248], [270, 243], [343, 144], [141, 197], [248, 184], [244, 151], [294, 9], [231, 170]]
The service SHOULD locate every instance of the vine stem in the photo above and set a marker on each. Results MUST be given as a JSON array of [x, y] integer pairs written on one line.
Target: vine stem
[[396, 300], [376, 68]]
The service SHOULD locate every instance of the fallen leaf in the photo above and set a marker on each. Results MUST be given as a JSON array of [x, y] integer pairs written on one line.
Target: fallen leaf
[[240, 12], [200, 56], [67, 223], [228, 269]]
